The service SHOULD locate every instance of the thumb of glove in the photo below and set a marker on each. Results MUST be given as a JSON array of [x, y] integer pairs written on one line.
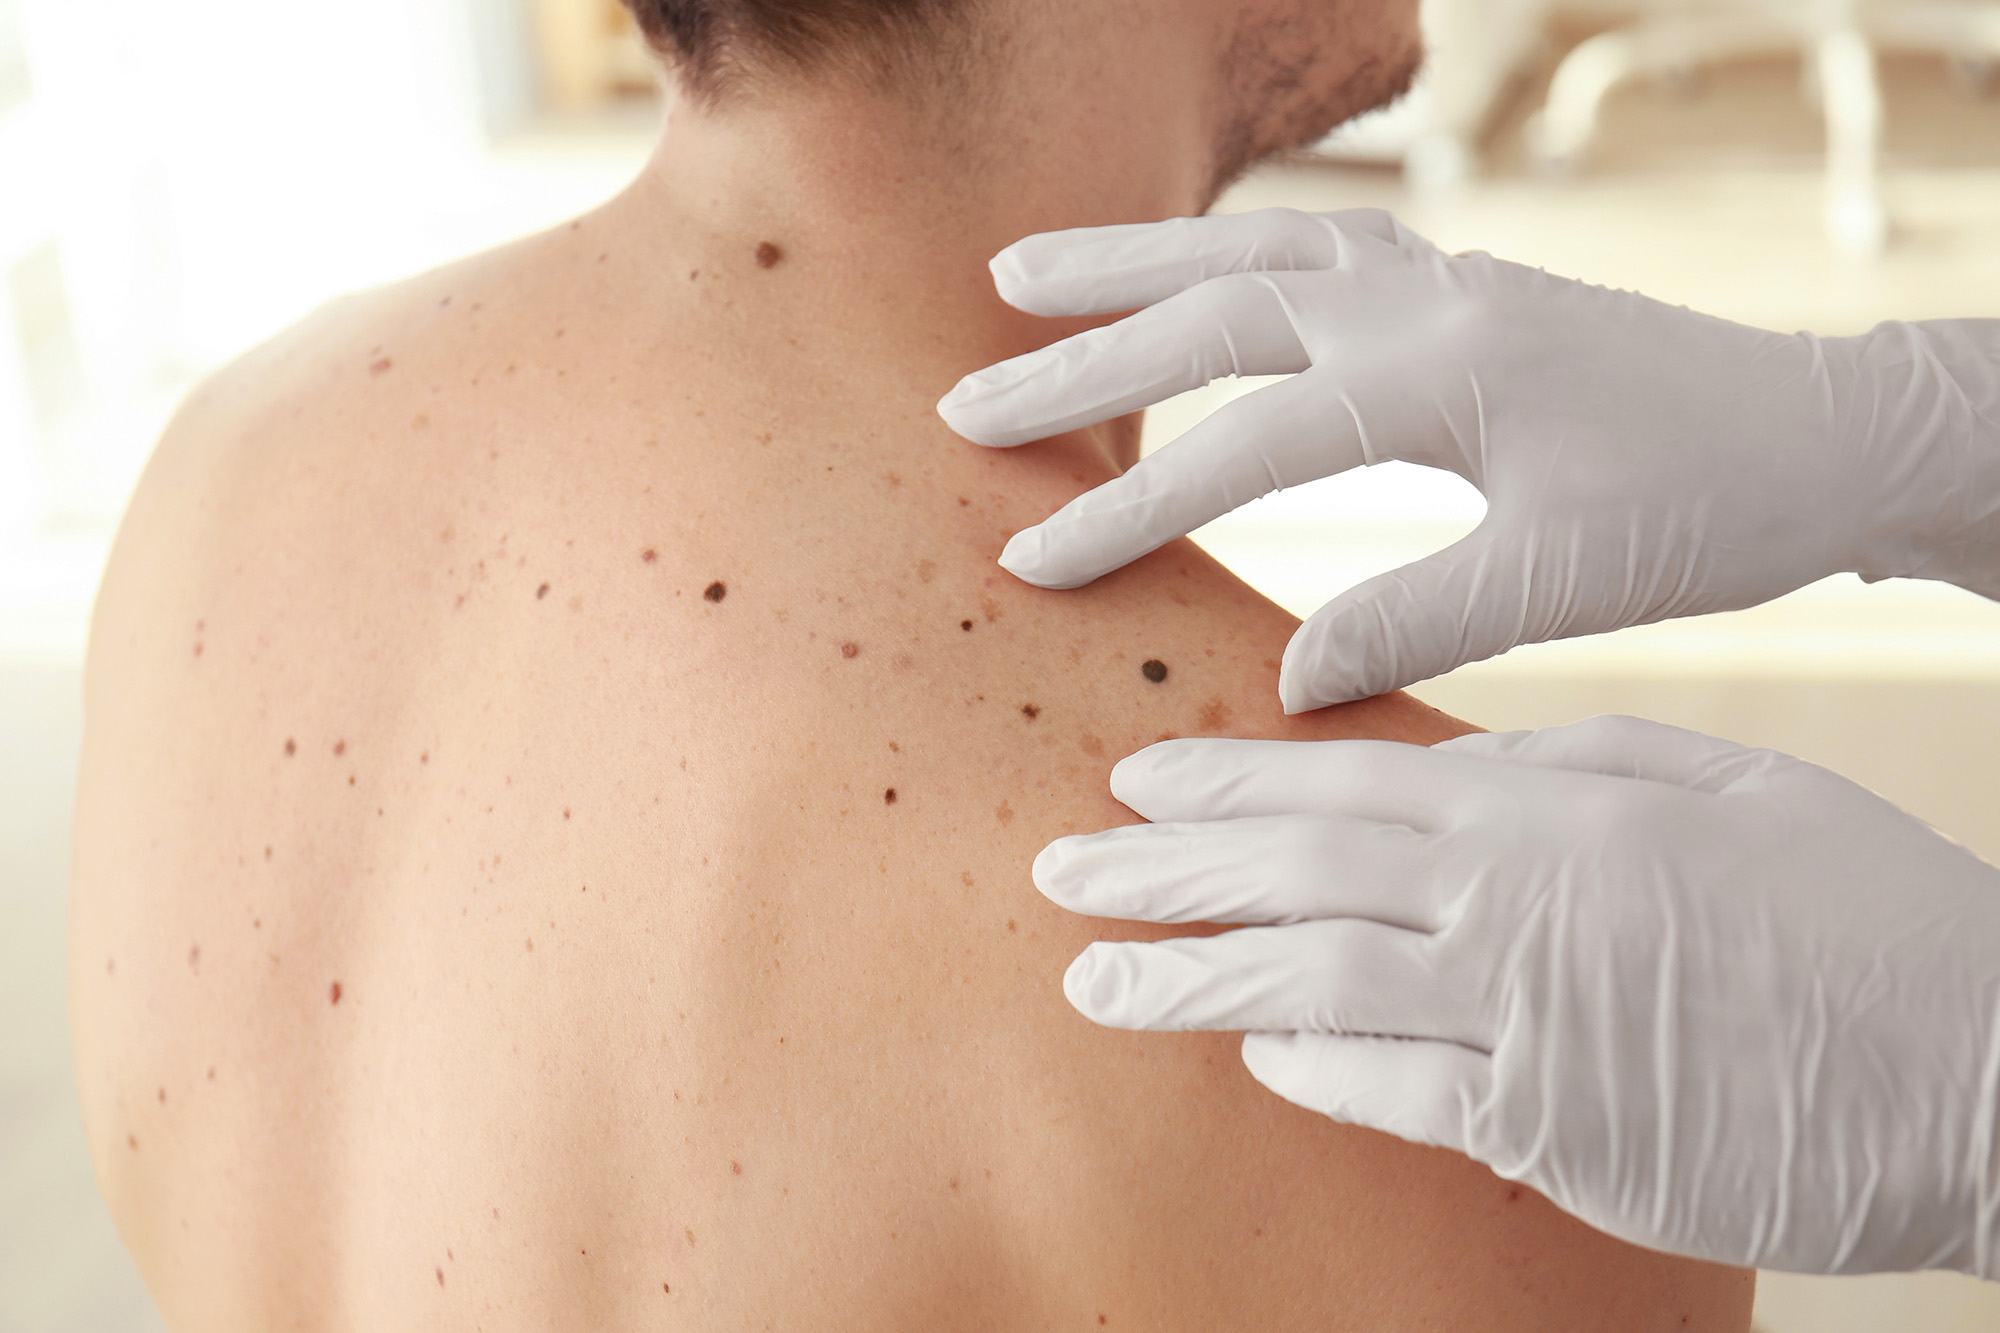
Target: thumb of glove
[[1463, 604]]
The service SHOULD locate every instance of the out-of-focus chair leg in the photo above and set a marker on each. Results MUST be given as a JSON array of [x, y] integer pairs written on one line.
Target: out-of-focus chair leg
[[1856, 221]]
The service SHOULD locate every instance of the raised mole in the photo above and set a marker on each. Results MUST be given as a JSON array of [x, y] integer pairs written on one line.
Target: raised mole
[[965, 625], [1031, 711], [1154, 669], [768, 254], [849, 649], [715, 591], [889, 796]]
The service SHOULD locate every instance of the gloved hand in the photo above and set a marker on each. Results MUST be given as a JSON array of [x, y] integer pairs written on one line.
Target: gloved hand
[[1709, 999], [1639, 461]]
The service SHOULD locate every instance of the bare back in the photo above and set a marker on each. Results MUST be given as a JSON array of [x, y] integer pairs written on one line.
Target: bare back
[[553, 852]]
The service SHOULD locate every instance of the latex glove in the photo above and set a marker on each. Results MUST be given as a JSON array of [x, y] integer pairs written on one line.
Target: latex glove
[[1639, 461], [1709, 999]]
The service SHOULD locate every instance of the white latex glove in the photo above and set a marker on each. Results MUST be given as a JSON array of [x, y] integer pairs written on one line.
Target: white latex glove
[[1639, 461], [1709, 999]]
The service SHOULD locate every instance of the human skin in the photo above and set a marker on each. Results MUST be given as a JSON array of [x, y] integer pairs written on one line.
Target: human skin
[[561, 772]]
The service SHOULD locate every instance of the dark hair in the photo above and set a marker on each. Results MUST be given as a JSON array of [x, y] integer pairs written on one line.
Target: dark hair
[[707, 41]]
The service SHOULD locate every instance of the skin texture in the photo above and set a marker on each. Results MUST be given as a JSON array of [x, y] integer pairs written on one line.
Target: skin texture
[[562, 769]]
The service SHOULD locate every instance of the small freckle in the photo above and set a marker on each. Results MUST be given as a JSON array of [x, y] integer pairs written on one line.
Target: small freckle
[[850, 649], [424, 758], [963, 501], [1154, 670], [291, 747], [110, 967], [197, 650], [1031, 711], [267, 851], [440, 1276], [1010, 923], [889, 796], [715, 591], [350, 779], [163, 1096], [895, 748], [649, 555], [132, 1143], [736, 1168], [965, 625], [966, 876], [1101, 1319], [1005, 814], [565, 812], [194, 957], [1513, 1196], [340, 747], [768, 254], [693, 273], [211, 1073], [541, 592], [664, 1287], [601, 258], [333, 993], [380, 366]]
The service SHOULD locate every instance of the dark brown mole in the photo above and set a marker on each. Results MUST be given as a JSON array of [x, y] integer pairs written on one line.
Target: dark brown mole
[[768, 254], [889, 796], [649, 555], [541, 592], [965, 625], [291, 747], [333, 993], [1153, 669], [716, 591], [1031, 711], [850, 649]]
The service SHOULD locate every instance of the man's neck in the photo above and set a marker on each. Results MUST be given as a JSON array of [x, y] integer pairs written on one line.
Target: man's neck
[[872, 220]]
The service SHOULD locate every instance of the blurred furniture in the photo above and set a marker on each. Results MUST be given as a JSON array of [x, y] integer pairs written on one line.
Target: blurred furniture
[[589, 53], [1474, 50], [1838, 39]]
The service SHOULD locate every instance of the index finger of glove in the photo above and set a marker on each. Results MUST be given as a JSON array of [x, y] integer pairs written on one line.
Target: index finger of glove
[[1238, 325], [1268, 870], [1210, 778], [1294, 431], [1095, 270]]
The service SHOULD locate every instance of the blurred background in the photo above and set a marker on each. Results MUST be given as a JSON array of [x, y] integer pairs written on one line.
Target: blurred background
[[178, 182]]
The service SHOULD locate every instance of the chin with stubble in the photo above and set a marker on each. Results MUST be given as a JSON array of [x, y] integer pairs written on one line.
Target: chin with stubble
[[1294, 69]]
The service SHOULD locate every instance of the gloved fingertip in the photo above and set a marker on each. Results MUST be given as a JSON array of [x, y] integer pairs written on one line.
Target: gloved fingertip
[[1093, 985], [1050, 871], [1029, 556], [1134, 777]]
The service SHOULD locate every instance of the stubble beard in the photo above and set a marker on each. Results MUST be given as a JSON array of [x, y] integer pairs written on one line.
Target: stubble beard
[[1277, 95]]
